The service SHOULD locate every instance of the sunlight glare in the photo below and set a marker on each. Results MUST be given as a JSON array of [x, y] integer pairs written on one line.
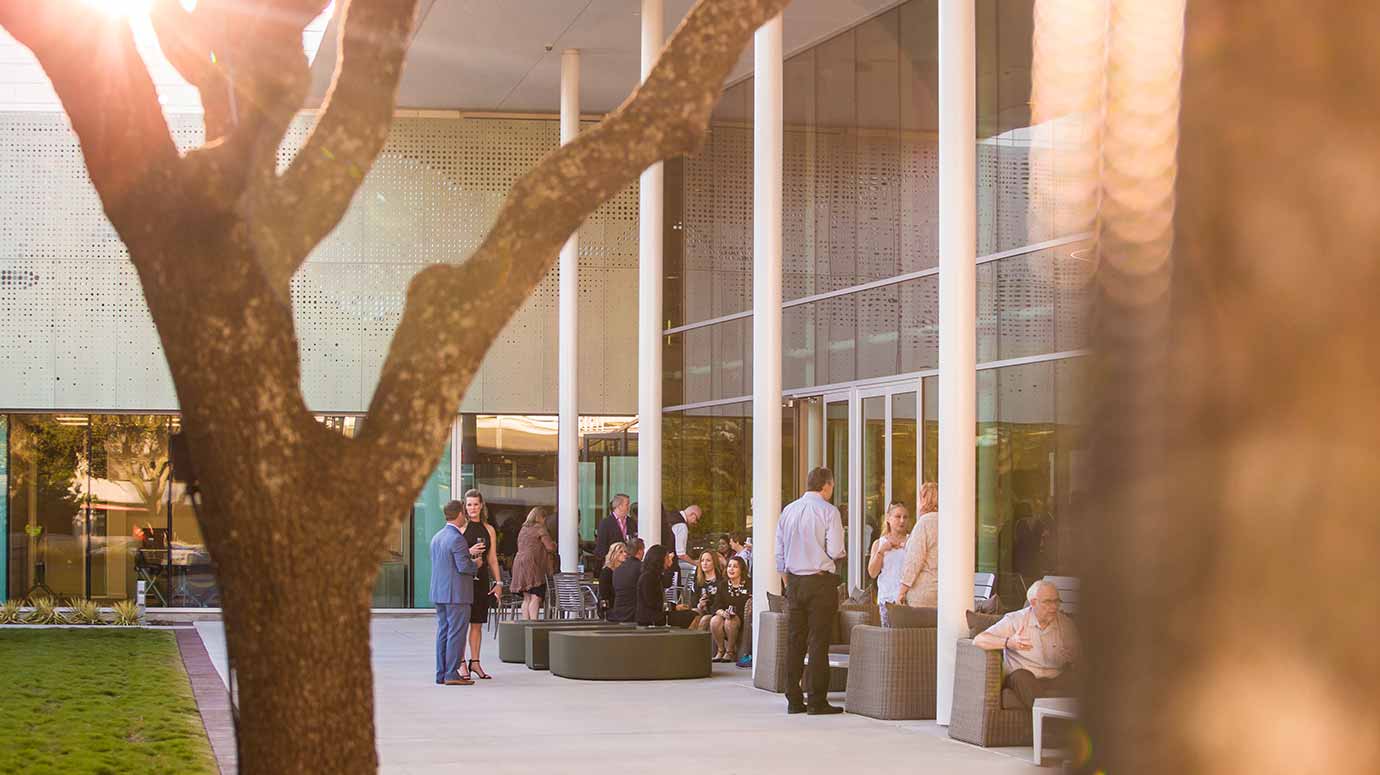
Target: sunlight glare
[[123, 8]]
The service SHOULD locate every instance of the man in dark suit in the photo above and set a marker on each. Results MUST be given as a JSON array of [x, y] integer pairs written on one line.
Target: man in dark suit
[[624, 608], [615, 528], [452, 592]]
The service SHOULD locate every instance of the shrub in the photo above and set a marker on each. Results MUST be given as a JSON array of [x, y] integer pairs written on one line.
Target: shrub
[[84, 612], [9, 612], [126, 613], [45, 611]]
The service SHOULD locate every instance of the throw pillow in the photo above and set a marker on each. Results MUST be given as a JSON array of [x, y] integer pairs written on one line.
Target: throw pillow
[[776, 603], [977, 622], [904, 617], [991, 605]]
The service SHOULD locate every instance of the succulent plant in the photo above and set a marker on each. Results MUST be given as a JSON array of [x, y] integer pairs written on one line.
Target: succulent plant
[[9, 612], [84, 612], [44, 611], [126, 613]]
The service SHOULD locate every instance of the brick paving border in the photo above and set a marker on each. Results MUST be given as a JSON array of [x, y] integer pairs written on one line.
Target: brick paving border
[[211, 698]]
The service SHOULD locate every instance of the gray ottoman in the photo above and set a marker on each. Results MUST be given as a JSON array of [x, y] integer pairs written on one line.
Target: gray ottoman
[[653, 654], [539, 641], [512, 636]]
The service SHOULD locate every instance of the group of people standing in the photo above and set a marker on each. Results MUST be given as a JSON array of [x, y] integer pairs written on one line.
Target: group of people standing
[[464, 576], [905, 560]]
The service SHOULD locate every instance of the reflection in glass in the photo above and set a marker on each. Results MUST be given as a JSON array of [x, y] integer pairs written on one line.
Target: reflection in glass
[[873, 492], [836, 460], [904, 488]]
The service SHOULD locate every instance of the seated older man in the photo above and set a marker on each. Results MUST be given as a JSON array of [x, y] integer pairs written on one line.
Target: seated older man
[[1039, 645]]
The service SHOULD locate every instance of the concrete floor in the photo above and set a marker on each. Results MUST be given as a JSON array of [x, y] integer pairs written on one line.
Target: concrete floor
[[529, 721]]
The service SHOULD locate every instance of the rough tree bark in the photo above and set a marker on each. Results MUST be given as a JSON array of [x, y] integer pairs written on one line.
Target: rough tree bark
[[1231, 594], [216, 236]]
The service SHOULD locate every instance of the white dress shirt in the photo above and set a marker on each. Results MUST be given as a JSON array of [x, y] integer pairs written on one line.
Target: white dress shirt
[[809, 537], [681, 532], [1052, 647]]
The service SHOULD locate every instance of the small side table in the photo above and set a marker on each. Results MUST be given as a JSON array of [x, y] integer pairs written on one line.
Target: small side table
[[1049, 707]]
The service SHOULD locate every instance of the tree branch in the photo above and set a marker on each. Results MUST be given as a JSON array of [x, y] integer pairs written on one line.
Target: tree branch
[[189, 41], [312, 195], [92, 62], [453, 313]]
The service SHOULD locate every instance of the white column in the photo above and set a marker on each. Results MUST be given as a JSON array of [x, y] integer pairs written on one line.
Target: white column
[[957, 331], [568, 371], [649, 321], [766, 310]]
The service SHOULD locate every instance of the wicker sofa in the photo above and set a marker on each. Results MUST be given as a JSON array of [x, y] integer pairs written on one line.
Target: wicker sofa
[[891, 672], [983, 712], [773, 640]]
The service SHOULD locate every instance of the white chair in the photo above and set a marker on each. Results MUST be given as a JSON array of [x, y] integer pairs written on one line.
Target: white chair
[[983, 585]]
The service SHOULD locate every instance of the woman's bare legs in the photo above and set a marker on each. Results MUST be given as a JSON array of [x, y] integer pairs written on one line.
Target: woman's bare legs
[[716, 629], [531, 604], [731, 629]]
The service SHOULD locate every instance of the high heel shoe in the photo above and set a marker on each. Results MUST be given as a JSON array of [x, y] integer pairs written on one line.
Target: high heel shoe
[[477, 670]]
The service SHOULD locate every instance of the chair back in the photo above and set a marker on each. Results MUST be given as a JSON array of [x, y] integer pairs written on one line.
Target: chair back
[[1068, 592], [569, 594], [983, 584]]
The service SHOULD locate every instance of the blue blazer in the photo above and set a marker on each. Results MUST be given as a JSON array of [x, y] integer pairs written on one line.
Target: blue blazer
[[452, 568]]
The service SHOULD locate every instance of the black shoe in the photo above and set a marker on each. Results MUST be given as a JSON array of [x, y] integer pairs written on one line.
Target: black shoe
[[823, 710], [793, 708]]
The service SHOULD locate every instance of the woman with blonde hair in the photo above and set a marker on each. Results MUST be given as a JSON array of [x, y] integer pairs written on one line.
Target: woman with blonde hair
[[532, 563], [487, 582], [920, 574], [618, 552], [885, 562], [708, 578]]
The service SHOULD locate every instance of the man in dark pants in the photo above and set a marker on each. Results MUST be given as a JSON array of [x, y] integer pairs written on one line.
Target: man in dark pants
[[809, 541]]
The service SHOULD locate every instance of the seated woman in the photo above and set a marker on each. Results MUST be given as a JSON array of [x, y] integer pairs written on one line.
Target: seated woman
[[651, 588], [708, 579], [731, 610], [617, 554]]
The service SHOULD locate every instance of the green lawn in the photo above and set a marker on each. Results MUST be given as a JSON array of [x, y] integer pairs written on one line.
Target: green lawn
[[104, 701]]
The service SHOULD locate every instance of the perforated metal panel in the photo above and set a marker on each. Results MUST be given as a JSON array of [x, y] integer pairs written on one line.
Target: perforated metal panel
[[75, 332]]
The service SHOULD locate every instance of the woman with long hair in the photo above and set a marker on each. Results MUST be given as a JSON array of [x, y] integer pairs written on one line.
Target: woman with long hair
[[487, 583], [617, 553], [651, 587], [885, 562], [920, 574], [731, 610], [708, 578], [532, 563]]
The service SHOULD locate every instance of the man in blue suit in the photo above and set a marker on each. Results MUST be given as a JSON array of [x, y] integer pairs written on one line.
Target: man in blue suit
[[452, 590]]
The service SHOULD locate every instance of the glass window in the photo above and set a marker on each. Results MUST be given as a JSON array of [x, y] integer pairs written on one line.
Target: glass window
[[874, 462], [49, 462], [904, 446]]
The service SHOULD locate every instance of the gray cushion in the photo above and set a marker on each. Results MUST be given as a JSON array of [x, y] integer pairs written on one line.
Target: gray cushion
[[904, 617], [776, 603], [978, 623]]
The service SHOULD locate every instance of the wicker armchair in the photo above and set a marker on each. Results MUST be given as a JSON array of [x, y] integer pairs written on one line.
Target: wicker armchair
[[769, 660], [981, 714], [891, 672]]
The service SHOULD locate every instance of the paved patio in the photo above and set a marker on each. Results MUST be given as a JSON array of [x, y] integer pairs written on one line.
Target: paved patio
[[528, 721]]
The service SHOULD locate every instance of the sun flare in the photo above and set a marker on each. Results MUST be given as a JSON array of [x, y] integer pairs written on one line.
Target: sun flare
[[124, 8]]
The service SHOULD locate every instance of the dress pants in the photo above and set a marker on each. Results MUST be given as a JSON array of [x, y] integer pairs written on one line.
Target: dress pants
[[812, 605], [1029, 688], [452, 623]]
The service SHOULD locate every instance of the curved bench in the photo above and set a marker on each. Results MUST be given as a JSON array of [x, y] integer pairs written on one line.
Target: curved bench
[[652, 654], [539, 641], [512, 636]]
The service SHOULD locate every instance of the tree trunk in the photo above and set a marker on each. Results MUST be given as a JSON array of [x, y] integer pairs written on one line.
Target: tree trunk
[[1231, 600], [299, 644]]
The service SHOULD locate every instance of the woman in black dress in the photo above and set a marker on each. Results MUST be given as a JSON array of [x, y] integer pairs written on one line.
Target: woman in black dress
[[651, 587], [730, 611], [487, 583]]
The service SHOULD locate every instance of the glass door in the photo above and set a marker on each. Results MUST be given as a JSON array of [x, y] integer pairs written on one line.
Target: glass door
[[838, 457]]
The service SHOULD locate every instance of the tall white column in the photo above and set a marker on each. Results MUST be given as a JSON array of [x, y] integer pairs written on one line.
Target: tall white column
[[957, 331], [568, 372], [766, 310], [649, 321]]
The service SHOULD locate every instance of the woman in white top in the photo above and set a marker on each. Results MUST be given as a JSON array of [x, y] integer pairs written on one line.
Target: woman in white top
[[885, 562]]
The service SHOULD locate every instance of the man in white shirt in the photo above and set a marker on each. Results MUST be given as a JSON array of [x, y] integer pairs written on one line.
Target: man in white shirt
[[1039, 644], [809, 543]]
